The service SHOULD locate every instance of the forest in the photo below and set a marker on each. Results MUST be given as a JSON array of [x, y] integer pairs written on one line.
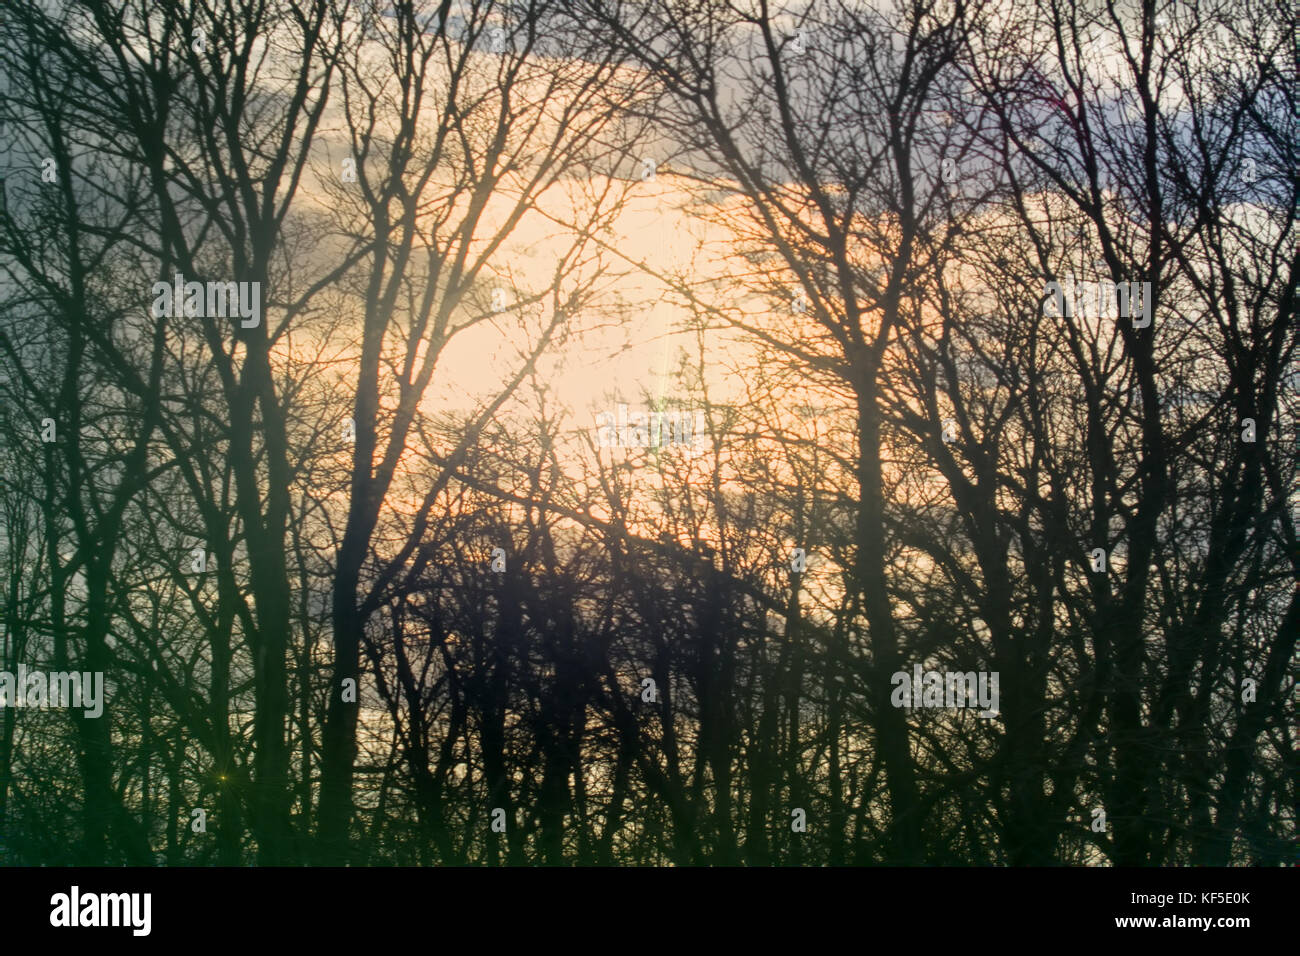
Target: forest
[[649, 432]]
